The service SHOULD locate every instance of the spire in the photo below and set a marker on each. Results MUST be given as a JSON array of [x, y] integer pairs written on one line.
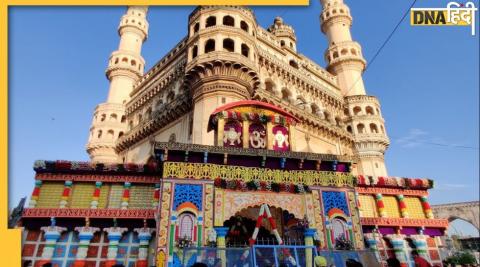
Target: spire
[[125, 68], [343, 56]]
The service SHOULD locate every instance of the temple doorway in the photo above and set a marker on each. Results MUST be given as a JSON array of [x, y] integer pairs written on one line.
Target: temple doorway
[[241, 227]]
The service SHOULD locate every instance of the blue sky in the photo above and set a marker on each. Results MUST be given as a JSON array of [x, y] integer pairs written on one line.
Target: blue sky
[[426, 79]]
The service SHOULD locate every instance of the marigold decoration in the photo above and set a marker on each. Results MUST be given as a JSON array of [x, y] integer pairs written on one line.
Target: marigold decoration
[[256, 185], [156, 196], [96, 195], [426, 207], [380, 205], [66, 194], [126, 195], [395, 182], [79, 166], [35, 194], [403, 206]]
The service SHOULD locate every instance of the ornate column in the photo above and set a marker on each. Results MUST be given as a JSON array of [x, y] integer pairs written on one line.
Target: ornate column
[[144, 235], [420, 242], [220, 129], [398, 243], [402, 206], [309, 233], [66, 194], [126, 195], [35, 194], [85, 234], [245, 133], [96, 195], [114, 235], [426, 207], [269, 136], [52, 234], [372, 243], [291, 136], [380, 205], [221, 234]]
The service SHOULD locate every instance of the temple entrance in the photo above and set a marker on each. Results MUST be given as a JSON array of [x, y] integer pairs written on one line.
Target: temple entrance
[[242, 227]]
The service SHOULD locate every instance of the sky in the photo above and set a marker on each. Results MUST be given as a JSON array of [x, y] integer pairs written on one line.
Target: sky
[[426, 78]]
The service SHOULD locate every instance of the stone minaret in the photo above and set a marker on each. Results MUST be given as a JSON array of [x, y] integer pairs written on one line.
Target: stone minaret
[[363, 117], [125, 67]]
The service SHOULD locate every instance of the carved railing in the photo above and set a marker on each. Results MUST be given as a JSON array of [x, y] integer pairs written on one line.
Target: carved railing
[[212, 171], [88, 213], [441, 223]]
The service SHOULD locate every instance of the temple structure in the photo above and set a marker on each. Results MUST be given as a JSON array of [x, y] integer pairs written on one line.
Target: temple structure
[[232, 139]]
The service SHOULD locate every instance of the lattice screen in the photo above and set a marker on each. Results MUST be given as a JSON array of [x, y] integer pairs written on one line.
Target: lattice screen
[[368, 206], [141, 196], [115, 197], [414, 208], [391, 206], [81, 195], [50, 195]]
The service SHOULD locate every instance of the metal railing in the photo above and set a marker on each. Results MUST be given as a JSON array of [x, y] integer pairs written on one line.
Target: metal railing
[[269, 256]]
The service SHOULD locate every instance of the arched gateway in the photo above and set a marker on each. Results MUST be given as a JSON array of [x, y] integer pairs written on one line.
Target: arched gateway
[[467, 211]]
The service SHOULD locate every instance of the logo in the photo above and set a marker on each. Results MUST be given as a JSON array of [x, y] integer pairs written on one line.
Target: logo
[[454, 14]]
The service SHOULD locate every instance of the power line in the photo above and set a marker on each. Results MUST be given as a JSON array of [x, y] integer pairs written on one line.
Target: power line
[[369, 63], [437, 144]]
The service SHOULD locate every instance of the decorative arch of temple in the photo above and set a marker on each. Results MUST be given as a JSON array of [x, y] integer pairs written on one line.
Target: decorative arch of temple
[[253, 124]]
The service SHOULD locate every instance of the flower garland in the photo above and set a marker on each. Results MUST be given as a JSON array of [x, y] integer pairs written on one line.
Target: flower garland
[[62, 165], [401, 182], [250, 116], [256, 185]]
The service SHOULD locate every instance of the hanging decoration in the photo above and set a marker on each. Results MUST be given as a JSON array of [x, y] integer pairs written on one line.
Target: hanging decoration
[[380, 205], [66, 194], [253, 116], [257, 136], [96, 195], [403, 206], [426, 207], [256, 185], [280, 138], [232, 135]]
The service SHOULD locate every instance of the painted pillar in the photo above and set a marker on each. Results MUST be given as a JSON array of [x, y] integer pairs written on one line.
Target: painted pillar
[[220, 130], [199, 230], [420, 242], [309, 233], [96, 195], [270, 138], [221, 234], [398, 243], [372, 243], [172, 237], [85, 234], [52, 234], [66, 194], [35, 194], [144, 235], [114, 236], [126, 195], [426, 207], [245, 134], [402, 206], [380, 205]]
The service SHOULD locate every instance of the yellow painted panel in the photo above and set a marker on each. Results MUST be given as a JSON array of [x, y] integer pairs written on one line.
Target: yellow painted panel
[[104, 193], [414, 208], [368, 206], [391, 206], [115, 197], [141, 196], [50, 195], [81, 195]]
